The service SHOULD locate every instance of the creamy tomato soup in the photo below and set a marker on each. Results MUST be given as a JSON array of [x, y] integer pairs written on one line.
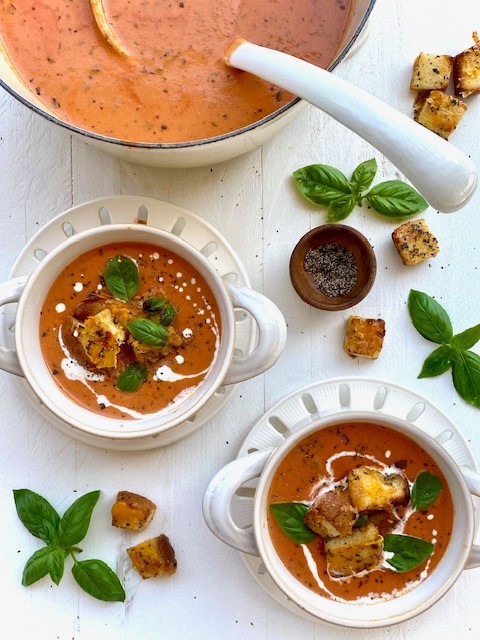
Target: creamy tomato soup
[[172, 86], [320, 461], [87, 340]]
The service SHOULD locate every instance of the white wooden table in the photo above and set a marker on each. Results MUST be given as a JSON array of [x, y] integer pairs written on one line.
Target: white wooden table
[[252, 201]]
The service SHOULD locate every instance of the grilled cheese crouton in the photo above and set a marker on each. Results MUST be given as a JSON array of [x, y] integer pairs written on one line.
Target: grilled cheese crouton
[[154, 557], [132, 511], [364, 337], [332, 514], [361, 550], [146, 354], [371, 490], [466, 70], [431, 71], [441, 113], [419, 102], [415, 242], [101, 339]]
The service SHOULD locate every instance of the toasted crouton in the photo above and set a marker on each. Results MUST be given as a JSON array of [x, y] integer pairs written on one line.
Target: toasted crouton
[[419, 102], [441, 113], [466, 70], [332, 514], [364, 337], [154, 557], [361, 550], [415, 242], [431, 71], [371, 490], [132, 511], [101, 339]]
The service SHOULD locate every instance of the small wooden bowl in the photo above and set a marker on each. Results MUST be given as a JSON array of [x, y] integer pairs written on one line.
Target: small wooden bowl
[[346, 237]]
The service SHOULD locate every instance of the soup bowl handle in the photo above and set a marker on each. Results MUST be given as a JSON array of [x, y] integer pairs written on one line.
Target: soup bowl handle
[[218, 499], [472, 478], [11, 291], [272, 334]]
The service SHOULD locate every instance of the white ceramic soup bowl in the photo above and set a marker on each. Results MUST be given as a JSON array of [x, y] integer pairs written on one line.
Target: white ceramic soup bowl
[[461, 553], [27, 359]]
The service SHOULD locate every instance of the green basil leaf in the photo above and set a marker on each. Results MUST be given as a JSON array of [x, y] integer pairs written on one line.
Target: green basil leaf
[[97, 579], [466, 376], [154, 305], [340, 208], [409, 552], [361, 520], [37, 515], [396, 199], [132, 377], [289, 516], [148, 332], [168, 314], [425, 490], [56, 564], [76, 520], [466, 339], [320, 183], [363, 175], [37, 566], [429, 318], [437, 362], [121, 277]]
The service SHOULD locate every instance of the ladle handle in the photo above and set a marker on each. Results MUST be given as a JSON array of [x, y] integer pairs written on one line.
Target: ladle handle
[[441, 173]]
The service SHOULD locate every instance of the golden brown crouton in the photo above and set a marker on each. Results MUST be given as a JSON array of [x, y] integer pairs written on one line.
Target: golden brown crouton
[[132, 511], [101, 339], [364, 337], [466, 70], [419, 102], [332, 514], [361, 550], [154, 557], [441, 113], [431, 71], [415, 242], [372, 490]]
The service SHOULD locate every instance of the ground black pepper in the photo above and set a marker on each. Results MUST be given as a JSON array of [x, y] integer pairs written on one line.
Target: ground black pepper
[[333, 268]]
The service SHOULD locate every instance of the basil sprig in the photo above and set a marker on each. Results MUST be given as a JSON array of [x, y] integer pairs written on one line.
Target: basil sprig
[[432, 321], [132, 377], [425, 490], [121, 277], [148, 332], [289, 516], [61, 536], [326, 186], [409, 552]]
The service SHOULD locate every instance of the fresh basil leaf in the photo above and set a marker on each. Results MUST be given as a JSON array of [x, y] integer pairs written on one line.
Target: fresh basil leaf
[[437, 362], [340, 208], [121, 277], [154, 305], [168, 314], [425, 490], [409, 552], [148, 332], [289, 516], [429, 318], [132, 377], [37, 515], [56, 564], [37, 566], [97, 579], [466, 376], [396, 199], [363, 176], [361, 520], [76, 520], [320, 183], [466, 339]]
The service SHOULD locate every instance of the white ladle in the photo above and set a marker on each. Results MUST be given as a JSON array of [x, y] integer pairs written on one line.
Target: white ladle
[[440, 172]]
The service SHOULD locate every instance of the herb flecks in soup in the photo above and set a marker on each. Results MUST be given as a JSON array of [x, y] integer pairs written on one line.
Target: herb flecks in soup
[[359, 512], [173, 85], [130, 330]]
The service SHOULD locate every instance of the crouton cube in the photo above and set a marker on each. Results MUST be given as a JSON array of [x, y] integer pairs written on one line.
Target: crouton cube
[[361, 550], [101, 339], [154, 557], [441, 113], [466, 71], [332, 514], [372, 490], [431, 71], [132, 511], [364, 337], [415, 242]]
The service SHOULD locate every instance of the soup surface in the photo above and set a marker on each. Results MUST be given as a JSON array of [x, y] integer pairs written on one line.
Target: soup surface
[[88, 339], [320, 461], [173, 85]]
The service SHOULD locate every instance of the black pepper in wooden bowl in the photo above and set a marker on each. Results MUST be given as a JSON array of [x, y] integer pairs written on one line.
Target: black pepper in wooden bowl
[[333, 269]]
